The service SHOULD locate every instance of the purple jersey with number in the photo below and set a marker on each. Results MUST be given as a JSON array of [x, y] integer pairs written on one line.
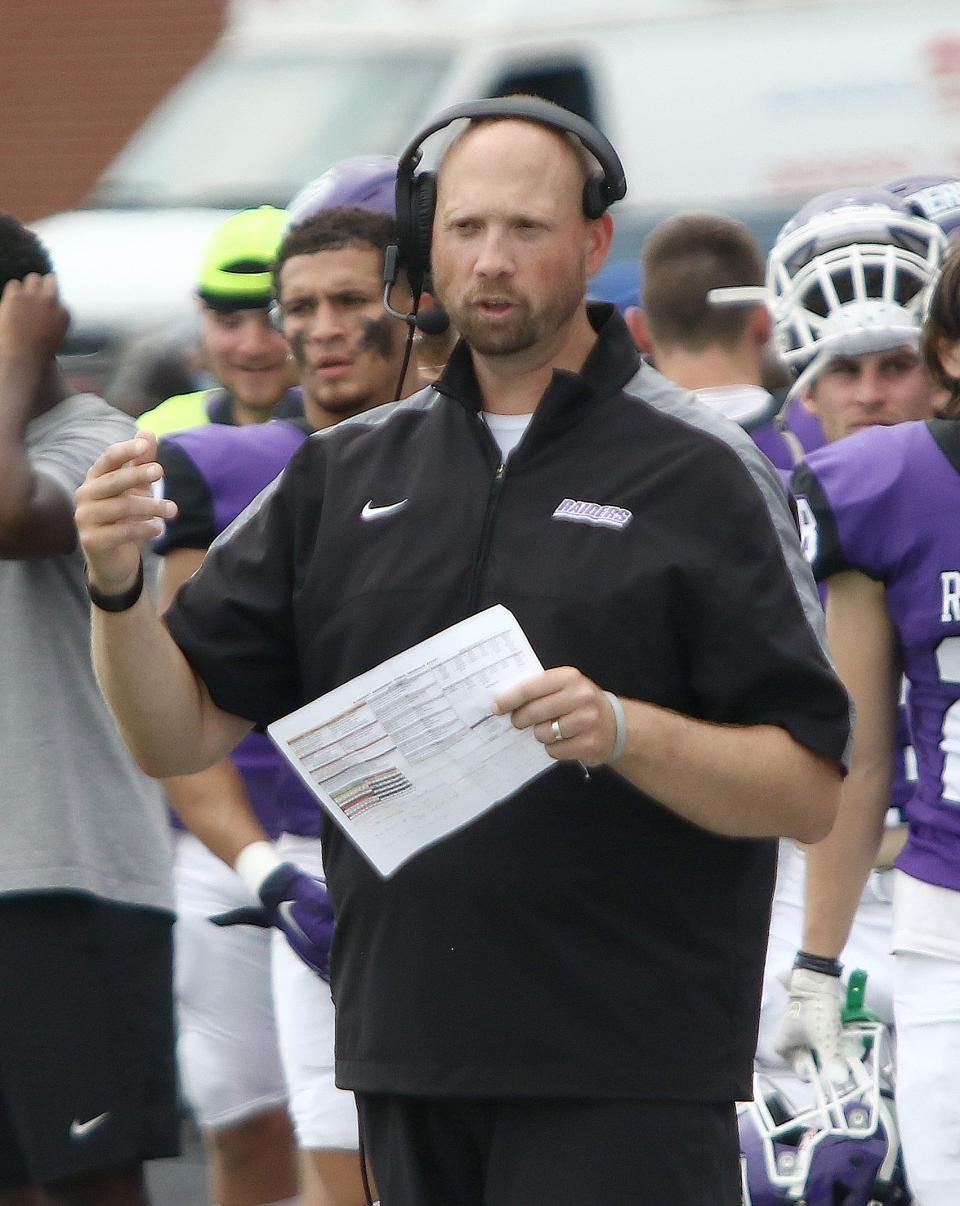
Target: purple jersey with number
[[212, 473], [886, 502], [782, 439]]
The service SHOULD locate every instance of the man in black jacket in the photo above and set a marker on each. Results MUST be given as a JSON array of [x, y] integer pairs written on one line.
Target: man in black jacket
[[557, 1003]]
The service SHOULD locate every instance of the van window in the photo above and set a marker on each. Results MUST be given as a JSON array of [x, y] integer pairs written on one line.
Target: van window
[[244, 131], [565, 82]]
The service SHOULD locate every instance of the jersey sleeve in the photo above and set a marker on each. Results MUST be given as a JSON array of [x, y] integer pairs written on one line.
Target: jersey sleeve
[[754, 657], [818, 526], [194, 526], [849, 502], [234, 618]]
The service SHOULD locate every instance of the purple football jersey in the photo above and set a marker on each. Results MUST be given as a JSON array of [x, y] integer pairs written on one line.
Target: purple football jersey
[[212, 473], [886, 502], [804, 426], [783, 438]]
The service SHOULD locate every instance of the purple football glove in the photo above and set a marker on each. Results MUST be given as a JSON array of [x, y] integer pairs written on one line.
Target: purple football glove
[[298, 905]]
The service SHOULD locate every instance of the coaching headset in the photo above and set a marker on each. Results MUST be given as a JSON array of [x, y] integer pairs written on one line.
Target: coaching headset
[[417, 193]]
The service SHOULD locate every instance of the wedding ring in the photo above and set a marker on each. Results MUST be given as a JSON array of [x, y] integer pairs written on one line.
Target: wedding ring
[[555, 729]]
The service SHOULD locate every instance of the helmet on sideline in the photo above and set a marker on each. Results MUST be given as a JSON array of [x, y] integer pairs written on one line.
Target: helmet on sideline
[[843, 1147], [362, 181], [235, 271], [850, 274], [934, 197]]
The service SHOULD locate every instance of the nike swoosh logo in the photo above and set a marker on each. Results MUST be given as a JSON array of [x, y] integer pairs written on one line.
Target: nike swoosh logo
[[79, 1129], [371, 512], [285, 909]]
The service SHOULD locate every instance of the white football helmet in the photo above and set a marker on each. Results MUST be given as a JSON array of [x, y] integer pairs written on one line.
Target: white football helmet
[[936, 197], [841, 1148], [848, 275]]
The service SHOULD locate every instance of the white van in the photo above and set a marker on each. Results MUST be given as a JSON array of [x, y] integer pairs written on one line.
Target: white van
[[748, 106]]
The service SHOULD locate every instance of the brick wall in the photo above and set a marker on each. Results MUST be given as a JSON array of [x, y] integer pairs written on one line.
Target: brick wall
[[78, 77]]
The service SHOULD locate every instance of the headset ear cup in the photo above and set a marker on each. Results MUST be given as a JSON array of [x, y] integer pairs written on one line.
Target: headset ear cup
[[422, 207], [594, 197]]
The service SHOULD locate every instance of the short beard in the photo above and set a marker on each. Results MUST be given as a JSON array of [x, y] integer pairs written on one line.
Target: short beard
[[524, 331], [507, 341]]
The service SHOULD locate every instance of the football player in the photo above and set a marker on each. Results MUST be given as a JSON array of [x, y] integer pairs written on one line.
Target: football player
[[247, 357], [849, 278], [883, 507]]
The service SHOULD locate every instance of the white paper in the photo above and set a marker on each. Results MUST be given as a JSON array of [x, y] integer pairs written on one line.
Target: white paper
[[409, 752]]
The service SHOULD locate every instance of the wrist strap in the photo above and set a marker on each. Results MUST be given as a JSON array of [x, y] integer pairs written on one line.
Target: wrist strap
[[255, 863], [818, 963], [621, 720], [121, 602]]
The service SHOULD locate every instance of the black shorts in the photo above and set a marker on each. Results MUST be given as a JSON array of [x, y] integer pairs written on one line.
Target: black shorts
[[87, 1058], [435, 1151]]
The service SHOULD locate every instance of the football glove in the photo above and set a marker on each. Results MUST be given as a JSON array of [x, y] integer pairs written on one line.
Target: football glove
[[297, 904], [812, 1023]]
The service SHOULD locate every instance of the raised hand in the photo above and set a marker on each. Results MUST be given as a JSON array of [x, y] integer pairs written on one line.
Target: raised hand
[[116, 512], [33, 321]]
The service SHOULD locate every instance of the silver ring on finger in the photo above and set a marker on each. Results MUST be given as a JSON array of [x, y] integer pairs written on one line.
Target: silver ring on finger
[[555, 730]]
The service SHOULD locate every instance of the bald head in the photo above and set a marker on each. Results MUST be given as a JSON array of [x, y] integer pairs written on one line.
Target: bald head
[[487, 140]]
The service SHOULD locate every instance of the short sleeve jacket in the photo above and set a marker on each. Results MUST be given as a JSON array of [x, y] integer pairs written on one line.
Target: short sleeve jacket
[[579, 939]]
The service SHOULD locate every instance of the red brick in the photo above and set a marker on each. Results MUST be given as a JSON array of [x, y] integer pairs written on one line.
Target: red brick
[[77, 81]]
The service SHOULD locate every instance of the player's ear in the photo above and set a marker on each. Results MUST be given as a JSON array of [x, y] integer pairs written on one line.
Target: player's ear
[[948, 353], [760, 325], [599, 238], [636, 322]]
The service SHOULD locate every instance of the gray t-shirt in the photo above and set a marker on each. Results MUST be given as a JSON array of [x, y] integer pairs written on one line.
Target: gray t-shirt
[[75, 812]]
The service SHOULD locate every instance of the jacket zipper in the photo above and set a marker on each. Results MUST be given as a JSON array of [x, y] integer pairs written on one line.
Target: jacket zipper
[[486, 530], [493, 499]]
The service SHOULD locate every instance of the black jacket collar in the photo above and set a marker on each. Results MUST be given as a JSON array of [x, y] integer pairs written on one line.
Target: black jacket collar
[[612, 362]]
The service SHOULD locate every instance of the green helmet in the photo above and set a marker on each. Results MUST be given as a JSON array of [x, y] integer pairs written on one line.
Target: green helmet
[[236, 270]]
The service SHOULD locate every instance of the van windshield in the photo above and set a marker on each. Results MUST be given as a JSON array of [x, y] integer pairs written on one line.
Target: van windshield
[[241, 132]]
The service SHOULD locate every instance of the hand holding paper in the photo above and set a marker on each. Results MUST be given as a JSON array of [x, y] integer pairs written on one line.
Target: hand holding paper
[[567, 712], [412, 751]]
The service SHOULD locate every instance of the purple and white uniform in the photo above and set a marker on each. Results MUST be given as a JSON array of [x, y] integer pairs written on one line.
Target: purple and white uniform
[[886, 502], [784, 437]]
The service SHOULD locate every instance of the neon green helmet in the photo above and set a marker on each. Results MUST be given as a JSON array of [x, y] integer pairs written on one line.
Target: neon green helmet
[[235, 273]]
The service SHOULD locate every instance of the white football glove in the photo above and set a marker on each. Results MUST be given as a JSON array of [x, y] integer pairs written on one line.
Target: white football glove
[[812, 1023]]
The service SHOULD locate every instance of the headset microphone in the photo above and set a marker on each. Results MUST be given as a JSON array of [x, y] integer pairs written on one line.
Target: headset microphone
[[431, 322]]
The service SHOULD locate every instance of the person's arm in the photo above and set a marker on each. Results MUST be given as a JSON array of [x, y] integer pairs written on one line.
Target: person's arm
[[862, 638], [864, 645], [740, 781], [891, 844], [164, 711], [36, 518]]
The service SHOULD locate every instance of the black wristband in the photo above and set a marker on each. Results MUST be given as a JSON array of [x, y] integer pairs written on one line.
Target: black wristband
[[818, 963], [121, 602]]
